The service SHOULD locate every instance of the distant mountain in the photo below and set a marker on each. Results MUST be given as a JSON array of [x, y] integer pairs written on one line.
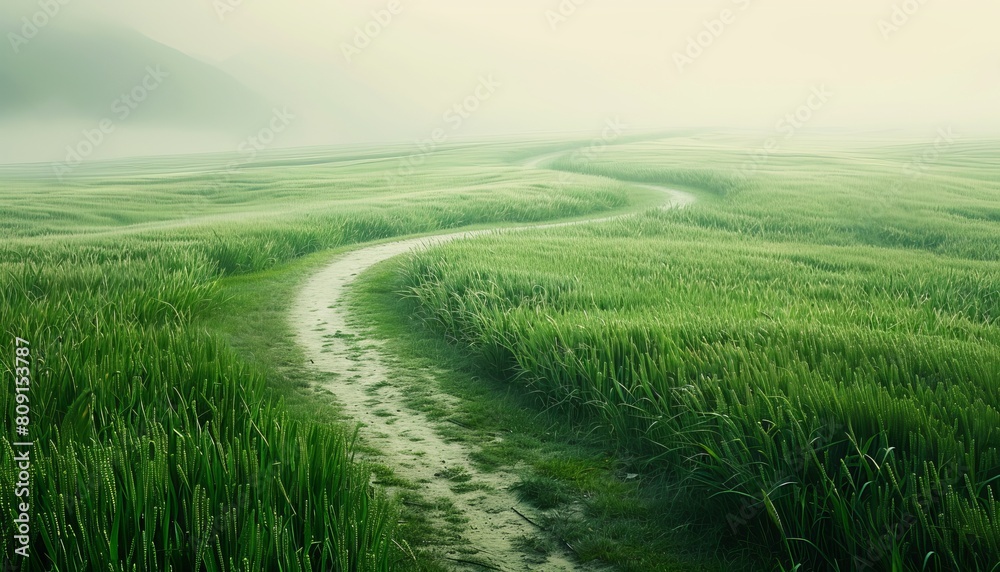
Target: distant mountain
[[84, 71], [77, 75]]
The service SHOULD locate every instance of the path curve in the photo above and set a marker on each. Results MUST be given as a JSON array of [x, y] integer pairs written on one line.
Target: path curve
[[362, 382]]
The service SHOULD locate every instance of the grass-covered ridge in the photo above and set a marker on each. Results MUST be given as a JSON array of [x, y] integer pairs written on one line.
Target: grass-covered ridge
[[812, 348], [157, 446]]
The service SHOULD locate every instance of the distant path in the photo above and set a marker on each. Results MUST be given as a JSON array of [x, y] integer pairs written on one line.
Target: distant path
[[362, 381]]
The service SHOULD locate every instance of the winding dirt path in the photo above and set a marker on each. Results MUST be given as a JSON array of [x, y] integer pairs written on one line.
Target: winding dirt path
[[362, 380]]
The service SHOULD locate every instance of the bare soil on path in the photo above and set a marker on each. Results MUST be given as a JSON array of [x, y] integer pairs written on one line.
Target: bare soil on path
[[360, 374]]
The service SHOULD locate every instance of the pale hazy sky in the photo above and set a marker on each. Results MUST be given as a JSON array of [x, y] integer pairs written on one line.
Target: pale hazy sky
[[936, 67]]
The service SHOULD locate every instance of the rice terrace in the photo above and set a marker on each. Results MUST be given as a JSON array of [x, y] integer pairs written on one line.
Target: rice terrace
[[452, 287]]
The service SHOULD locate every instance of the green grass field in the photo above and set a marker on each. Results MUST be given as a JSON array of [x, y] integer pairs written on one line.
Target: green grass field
[[157, 446], [811, 349], [807, 357]]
